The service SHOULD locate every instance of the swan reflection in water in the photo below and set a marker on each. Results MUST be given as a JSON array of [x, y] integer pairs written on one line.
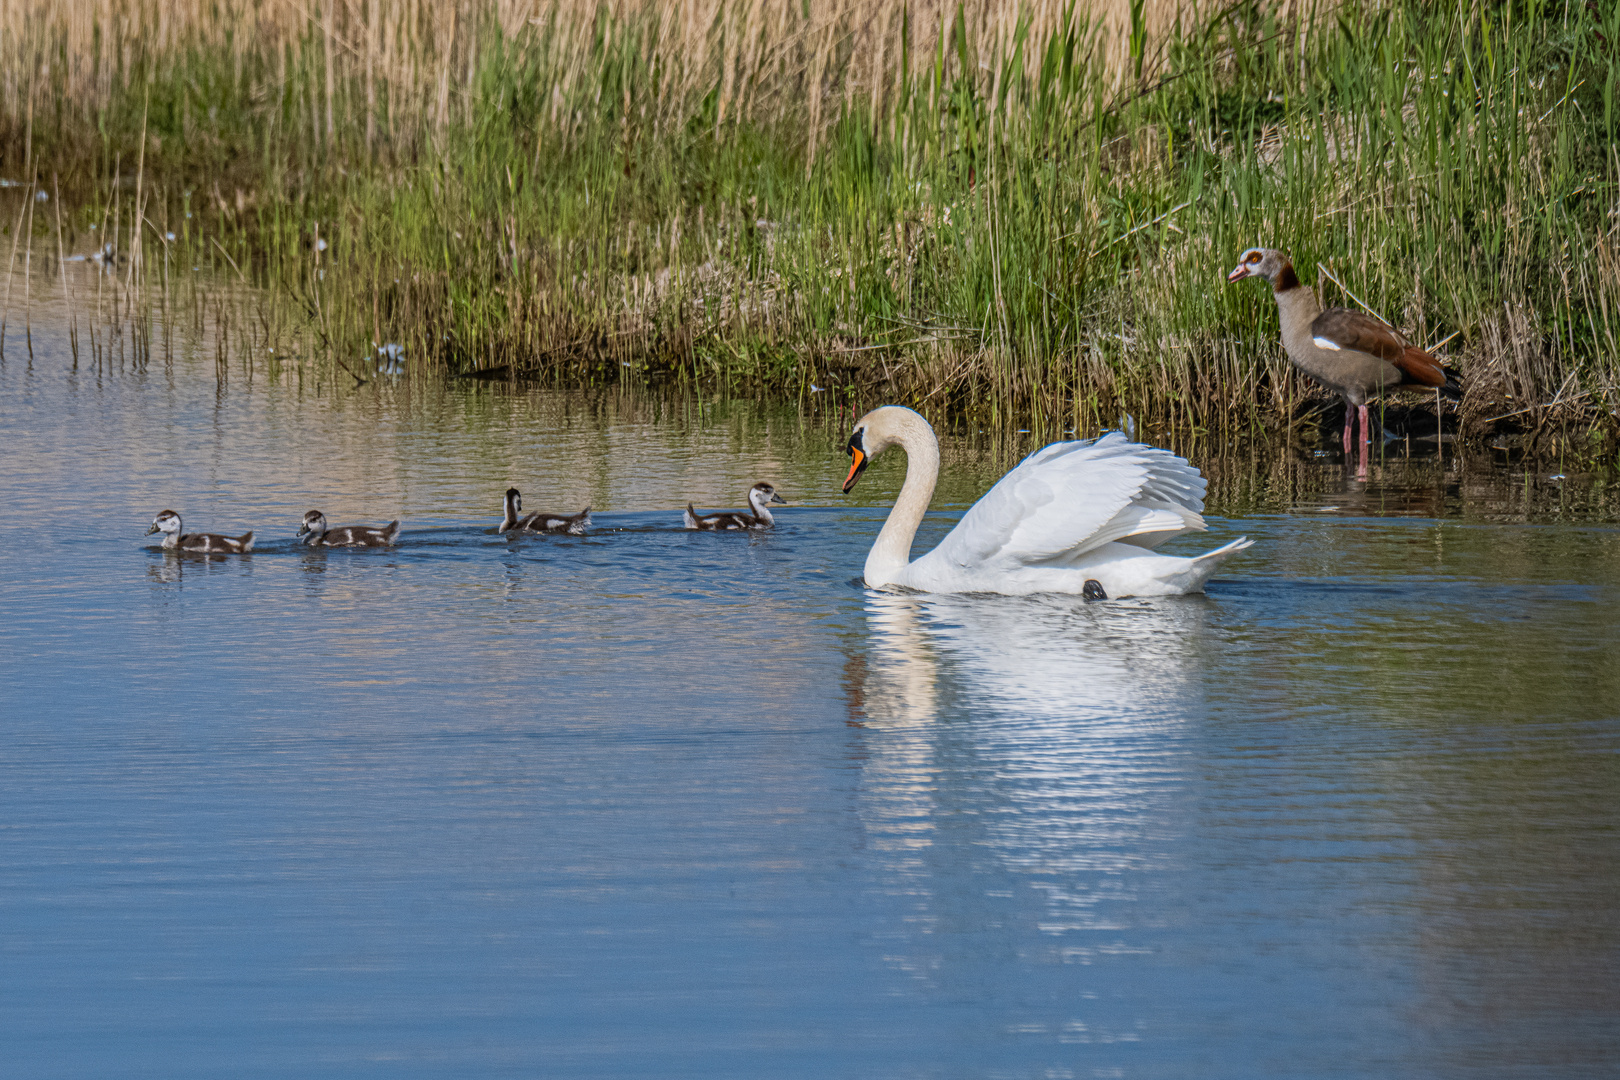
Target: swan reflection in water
[[1049, 660], [1046, 730]]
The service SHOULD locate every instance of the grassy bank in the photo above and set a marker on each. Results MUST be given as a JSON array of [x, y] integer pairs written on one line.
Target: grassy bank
[[1015, 210]]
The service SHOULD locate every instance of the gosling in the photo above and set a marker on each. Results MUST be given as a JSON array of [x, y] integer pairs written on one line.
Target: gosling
[[572, 524], [168, 523], [315, 533], [760, 496]]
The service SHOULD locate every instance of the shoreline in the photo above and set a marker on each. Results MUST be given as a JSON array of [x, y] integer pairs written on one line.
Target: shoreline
[[984, 218]]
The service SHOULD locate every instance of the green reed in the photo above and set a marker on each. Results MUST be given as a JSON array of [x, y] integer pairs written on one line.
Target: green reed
[[1008, 226]]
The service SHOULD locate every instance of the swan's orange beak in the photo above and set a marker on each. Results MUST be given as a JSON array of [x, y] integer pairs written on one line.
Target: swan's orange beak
[[857, 464]]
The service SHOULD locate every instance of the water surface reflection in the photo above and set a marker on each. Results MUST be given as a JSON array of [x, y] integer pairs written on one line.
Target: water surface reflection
[[1130, 812], [650, 802]]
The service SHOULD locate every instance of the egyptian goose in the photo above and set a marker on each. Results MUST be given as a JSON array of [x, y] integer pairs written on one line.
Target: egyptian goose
[[168, 523], [539, 522], [1074, 517], [1344, 350], [760, 496], [319, 535]]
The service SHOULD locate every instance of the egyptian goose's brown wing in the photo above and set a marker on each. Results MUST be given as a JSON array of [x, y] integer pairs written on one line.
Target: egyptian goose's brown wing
[[1343, 329], [1347, 329]]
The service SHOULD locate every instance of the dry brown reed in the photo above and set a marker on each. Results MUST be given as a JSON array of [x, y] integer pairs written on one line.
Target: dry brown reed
[[402, 70]]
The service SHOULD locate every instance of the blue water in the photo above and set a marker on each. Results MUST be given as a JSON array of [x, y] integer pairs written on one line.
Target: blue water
[[653, 803]]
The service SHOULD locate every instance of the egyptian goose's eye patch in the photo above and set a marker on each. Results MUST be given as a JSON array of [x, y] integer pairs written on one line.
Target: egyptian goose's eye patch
[[1254, 257]]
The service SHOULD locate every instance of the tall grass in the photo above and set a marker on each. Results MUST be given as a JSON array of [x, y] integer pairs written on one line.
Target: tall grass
[[1018, 209]]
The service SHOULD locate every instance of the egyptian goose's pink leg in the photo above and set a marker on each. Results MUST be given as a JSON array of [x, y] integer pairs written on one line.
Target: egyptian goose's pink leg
[[1361, 469], [1348, 418]]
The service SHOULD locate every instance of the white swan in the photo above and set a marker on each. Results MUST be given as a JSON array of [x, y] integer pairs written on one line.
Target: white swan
[[1070, 514]]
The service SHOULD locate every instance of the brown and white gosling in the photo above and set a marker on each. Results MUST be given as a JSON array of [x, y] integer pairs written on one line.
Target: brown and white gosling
[[1349, 352], [315, 533], [168, 523], [760, 496], [572, 524]]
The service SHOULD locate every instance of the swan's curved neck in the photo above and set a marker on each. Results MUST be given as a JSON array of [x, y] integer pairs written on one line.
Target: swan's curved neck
[[891, 552]]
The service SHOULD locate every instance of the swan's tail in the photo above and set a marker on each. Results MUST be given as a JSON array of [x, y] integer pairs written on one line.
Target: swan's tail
[[1202, 568]]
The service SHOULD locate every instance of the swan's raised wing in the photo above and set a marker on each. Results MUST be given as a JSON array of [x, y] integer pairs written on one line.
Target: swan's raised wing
[[1069, 498]]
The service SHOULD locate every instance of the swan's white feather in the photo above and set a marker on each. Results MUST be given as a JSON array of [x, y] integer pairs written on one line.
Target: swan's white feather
[[1147, 524], [1073, 497]]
